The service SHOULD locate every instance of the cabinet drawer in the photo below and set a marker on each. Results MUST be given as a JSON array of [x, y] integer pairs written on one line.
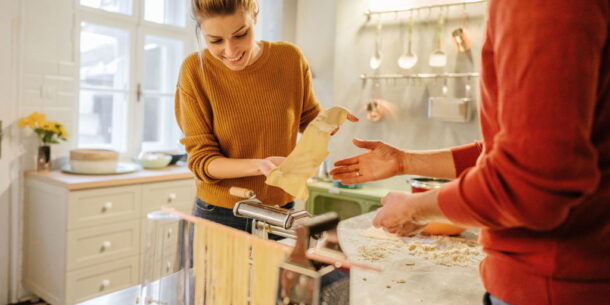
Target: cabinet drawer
[[164, 240], [179, 194], [103, 206], [91, 282], [102, 244]]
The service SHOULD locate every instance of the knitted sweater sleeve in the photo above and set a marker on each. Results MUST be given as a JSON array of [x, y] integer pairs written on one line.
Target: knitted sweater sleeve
[[194, 116], [542, 83]]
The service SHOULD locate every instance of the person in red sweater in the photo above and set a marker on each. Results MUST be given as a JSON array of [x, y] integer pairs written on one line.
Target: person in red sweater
[[538, 185]]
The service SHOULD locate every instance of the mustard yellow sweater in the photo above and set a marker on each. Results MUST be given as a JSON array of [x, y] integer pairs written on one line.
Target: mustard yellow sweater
[[253, 113]]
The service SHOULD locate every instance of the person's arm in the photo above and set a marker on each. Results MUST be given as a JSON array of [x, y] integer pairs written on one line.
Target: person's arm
[[384, 161], [431, 163], [545, 81], [225, 168]]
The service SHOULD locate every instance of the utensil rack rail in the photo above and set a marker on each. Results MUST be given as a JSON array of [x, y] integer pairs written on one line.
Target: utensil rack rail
[[369, 13], [365, 76]]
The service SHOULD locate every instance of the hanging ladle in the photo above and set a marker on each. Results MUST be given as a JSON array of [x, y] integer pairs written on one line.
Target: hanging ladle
[[408, 59], [376, 59], [438, 58]]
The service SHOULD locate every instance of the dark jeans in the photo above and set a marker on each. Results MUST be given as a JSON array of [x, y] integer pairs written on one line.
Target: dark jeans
[[225, 216], [489, 299]]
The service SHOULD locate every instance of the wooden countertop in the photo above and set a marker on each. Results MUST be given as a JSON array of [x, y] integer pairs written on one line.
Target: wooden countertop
[[80, 182]]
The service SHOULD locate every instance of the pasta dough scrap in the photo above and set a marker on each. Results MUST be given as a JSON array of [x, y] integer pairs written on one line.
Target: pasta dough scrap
[[302, 163], [379, 233]]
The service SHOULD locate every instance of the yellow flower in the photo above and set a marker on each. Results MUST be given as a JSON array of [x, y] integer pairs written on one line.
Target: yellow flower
[[63, 133], [38, 117], [48, 132], [27, 121], [47, 125]]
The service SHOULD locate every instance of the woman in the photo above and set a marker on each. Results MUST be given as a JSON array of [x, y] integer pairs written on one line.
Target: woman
[[240, 104]]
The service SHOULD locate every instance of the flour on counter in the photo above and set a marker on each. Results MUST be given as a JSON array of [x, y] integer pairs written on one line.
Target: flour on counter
[[442, 250]]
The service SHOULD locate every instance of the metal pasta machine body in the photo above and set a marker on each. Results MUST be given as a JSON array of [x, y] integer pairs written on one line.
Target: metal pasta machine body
[[266, 218]]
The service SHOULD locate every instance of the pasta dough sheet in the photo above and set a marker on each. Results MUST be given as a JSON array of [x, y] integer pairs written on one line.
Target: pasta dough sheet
[[233, 267], [302, 163], [378, 233]]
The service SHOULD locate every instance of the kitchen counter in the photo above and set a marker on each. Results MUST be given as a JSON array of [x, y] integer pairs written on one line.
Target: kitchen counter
[[437, 270], [79, 182]]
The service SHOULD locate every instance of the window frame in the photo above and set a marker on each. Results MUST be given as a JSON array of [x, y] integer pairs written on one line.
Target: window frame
[[138, 29]]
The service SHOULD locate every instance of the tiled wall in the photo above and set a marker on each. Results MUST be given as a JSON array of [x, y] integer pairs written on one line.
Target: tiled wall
[[48, 70], [408, 127]]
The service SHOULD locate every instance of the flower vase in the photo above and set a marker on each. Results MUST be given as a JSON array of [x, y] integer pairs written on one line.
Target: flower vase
[[43, 163]]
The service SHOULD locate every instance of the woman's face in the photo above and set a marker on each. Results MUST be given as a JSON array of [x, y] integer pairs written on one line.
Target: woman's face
[[230, 39]]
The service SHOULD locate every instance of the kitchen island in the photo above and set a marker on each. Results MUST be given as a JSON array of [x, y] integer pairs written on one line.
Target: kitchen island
[[434, 270]]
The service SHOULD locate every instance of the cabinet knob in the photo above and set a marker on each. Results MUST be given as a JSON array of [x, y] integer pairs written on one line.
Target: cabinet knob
[[106, 245], [171, 197], [168, 267], [169, 233], [107, 206], [104, 284]]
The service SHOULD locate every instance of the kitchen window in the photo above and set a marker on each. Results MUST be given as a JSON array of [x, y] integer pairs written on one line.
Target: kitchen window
[[130, 56]]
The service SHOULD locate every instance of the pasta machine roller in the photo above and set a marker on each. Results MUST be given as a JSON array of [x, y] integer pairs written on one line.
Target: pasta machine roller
[[266, 218]]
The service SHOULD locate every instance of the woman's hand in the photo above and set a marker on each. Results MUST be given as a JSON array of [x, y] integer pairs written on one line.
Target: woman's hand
[[351, 118], [380, 162], [269, 163]]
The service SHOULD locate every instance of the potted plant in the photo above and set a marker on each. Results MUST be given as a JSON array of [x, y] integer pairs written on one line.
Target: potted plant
[[48, 133]]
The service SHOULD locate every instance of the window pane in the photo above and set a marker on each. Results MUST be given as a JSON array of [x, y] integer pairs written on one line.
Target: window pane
[[102, 119], [104, 57], [162, 60], [115, 6], [172, 12], [160, 129]]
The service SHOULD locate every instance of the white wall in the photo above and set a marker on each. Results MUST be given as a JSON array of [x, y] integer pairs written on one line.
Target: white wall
[[9, 161], [36, 74], [315, 35], [409, 128]]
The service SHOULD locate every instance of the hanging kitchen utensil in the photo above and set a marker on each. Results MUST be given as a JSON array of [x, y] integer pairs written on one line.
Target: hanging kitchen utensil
[[462, 42], [376, 58], [438, 58], [374, 107], [408, 59]]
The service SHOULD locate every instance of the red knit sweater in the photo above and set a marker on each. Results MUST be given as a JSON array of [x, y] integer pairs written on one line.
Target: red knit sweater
[[540, 188]]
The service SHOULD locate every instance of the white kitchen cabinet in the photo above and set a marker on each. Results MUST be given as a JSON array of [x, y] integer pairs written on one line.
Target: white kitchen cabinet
[[84, 235]]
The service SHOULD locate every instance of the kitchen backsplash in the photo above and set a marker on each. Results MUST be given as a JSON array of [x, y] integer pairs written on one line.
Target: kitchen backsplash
[[406, 125]]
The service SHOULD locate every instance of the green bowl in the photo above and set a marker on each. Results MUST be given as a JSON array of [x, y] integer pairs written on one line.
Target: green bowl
[[160, 161]]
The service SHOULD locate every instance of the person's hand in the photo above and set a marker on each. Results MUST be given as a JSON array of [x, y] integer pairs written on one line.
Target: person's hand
[[351, 118], [398, 214], [269, 163], [380, 162]]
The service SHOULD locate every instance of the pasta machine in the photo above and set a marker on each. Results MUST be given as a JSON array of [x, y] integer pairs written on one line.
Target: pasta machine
[[265, 218], [305, 282]]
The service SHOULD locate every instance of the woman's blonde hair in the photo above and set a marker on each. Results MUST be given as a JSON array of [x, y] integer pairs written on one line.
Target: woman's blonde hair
[[211, 8]]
